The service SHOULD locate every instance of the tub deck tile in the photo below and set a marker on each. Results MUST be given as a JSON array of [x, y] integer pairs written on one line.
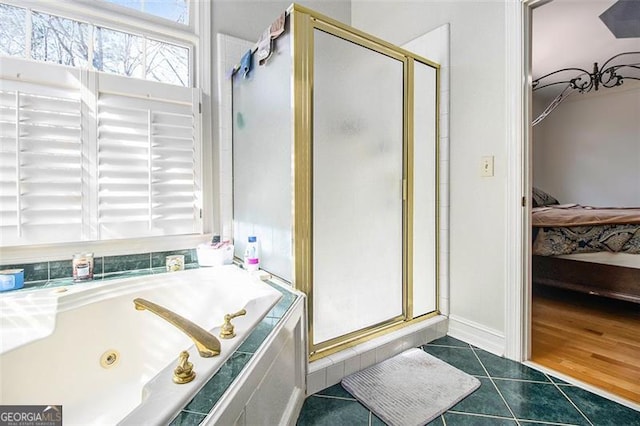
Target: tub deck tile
[[257, 336], [209, 395], [186, 418], [283, 304]]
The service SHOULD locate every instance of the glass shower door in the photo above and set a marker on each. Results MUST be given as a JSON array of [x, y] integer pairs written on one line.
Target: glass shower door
[[358, 150]]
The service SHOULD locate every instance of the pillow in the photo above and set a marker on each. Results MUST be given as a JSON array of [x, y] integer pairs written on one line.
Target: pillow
[[541, 198]]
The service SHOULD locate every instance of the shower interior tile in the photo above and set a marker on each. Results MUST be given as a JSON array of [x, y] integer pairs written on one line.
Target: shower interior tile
[[335, 373], [343, 355], [444, 305], [316, 381], [319, 364], [367, 359], [444, 100], [443, 327], [443, 150], [388, 350], [352, 365], [444, 129]]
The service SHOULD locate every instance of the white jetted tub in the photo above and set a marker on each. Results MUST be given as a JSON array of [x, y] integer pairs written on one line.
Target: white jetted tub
[[87, 348]]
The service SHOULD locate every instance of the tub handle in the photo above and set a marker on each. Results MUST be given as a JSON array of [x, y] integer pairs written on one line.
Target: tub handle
[[183, 373], [227, 331]]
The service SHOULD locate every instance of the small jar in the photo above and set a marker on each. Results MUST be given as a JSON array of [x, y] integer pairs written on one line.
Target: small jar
[[82, 265], [175, 263]]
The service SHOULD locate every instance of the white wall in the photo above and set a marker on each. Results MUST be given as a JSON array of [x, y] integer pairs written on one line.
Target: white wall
[[587, 150], [477, 128]]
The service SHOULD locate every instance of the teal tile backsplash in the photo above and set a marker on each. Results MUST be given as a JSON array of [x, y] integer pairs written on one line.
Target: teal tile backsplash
[[130, 262], [60, 269], [39, 273]]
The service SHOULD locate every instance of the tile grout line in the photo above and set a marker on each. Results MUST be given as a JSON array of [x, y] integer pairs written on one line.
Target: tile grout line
[[444, 422], [342, 398], [495, 386], [569, 399], [193, 412], [523, 380], [447, 346], [540, 422], [490, 416]]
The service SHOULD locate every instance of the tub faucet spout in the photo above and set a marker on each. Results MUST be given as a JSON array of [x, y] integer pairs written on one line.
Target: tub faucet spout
[[208, 345]]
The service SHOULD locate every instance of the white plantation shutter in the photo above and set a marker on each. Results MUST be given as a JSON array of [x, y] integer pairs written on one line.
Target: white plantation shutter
[[147, 161], [89, 156], [40, 163]]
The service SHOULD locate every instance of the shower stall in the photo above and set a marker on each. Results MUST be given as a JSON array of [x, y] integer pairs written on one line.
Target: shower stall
[[335, 168]]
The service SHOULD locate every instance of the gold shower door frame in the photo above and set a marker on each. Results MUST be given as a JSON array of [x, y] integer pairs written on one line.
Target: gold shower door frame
[[303, 22]]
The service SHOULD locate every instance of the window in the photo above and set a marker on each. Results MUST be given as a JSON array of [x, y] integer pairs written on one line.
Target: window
[[88, 153], [59, 40], [13, 37], [172, 10], [70, 42]]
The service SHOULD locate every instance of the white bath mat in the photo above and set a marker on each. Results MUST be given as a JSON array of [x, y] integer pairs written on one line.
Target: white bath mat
[[410, 389]]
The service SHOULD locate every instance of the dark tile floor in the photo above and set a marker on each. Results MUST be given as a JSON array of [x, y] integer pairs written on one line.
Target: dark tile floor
[[510, 394]]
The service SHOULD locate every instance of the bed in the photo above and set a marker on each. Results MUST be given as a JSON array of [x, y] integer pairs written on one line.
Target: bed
[[587, 249]]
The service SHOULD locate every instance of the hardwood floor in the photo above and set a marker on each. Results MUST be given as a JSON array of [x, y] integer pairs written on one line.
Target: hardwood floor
[[593, 339]]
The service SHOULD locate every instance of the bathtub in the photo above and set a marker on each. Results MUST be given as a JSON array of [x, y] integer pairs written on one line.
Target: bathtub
[[87, 348]]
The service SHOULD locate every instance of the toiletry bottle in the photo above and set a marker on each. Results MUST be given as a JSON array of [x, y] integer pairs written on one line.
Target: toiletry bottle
[[251, 259]]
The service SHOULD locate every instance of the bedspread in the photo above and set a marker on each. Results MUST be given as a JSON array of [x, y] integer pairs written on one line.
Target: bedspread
[[553, 241]]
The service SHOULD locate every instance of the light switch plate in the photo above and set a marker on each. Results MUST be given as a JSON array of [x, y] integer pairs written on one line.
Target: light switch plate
[[486, 166]]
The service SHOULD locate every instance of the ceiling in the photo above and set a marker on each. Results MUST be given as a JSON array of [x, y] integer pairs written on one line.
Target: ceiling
[[570, 33]]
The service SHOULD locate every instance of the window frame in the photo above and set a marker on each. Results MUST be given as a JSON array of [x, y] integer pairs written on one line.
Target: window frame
[[197, 36]]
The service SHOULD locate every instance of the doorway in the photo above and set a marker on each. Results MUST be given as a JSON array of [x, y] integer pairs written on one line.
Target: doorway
[[589, 339]]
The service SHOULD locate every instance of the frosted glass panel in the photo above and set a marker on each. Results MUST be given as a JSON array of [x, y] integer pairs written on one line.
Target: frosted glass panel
[[424, 190], [357, 187], [262, 138]]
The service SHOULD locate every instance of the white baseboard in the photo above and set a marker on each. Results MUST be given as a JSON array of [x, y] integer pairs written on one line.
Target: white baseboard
[[476, 334]]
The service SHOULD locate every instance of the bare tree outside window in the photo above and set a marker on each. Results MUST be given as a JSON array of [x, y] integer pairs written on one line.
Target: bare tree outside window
[[167, 62], [118, 53], [59, 40], [12, 31], [66, 41]]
